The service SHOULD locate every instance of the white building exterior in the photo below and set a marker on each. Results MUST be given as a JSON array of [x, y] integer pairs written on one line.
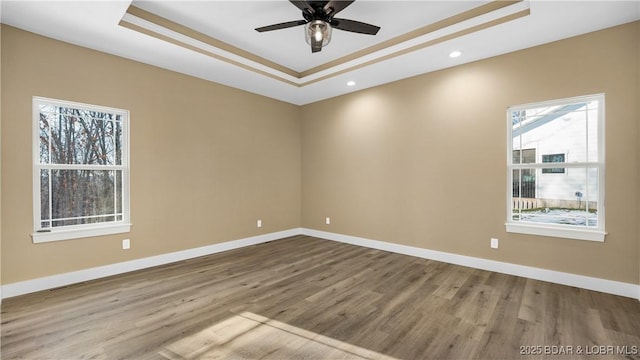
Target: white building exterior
[[560, 134]]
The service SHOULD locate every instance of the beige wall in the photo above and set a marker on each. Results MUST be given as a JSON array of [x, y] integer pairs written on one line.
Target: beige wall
[[0, 164], [421, 162], [207, 161]]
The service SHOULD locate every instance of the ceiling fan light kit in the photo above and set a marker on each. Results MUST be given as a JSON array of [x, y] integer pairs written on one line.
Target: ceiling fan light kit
[[317, 34], [319, 21]]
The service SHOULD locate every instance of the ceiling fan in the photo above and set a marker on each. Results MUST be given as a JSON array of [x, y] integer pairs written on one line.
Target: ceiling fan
[[319, 20]]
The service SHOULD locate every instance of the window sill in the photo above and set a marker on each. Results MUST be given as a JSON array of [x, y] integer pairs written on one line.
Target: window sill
[[76, 233], [556, 231]]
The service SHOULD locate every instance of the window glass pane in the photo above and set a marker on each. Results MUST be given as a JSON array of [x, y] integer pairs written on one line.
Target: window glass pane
[[566, 200], [118, 192], [83, 196], [80, 136], [116, 134], [44, 199], [557, 129], [523, 191], [592, 131], [572, 134], [524, 183], [525, 156], [590, 199], [516, 150], [44, 137], [515, 155], [517, 117]]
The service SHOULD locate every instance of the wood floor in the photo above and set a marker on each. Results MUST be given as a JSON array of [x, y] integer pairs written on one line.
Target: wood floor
[[304, 297]]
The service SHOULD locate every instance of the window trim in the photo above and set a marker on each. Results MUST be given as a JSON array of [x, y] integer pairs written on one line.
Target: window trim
[[84, 230], [558, 230]]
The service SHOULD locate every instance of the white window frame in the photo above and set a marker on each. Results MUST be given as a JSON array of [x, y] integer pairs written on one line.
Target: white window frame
[[557, 230], [41, 235]]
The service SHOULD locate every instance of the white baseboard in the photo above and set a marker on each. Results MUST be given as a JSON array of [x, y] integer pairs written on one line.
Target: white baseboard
[[580, 281], [585, 282], [54, 281]]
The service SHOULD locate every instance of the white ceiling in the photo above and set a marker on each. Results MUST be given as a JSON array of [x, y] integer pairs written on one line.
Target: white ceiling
[[234, 22], [96, 25]]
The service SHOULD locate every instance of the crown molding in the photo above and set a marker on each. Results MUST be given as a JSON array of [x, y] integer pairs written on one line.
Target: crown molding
[[474, 20]]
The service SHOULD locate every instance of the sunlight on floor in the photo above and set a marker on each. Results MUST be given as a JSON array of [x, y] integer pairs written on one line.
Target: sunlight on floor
[[251, 336]]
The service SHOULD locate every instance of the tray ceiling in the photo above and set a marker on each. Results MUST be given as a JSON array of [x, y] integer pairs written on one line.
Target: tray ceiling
[[216, 40]]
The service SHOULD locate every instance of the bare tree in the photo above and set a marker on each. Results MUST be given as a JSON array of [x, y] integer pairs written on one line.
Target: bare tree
[[79, 194]]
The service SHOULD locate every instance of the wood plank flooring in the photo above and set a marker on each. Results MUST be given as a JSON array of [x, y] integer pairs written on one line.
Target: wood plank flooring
[[303, 297]]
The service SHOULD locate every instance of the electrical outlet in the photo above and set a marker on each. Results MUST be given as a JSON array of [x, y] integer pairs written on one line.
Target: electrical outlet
[[259, 223], [327, 220], [126, 243], [494, 243]]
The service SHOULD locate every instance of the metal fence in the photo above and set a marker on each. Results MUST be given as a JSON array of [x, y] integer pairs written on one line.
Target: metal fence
[[525, 189]]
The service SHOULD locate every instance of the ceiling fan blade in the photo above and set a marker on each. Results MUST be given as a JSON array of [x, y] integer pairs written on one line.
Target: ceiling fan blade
[[283, 25], [302, 5], [354, 26], [334, 6]]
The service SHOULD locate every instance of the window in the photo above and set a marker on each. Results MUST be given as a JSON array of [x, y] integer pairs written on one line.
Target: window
[[570, 134], [553, 158], [524, 180], [81, 170]]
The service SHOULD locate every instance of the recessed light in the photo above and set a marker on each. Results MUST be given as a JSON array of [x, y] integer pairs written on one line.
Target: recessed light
[[455, 54], [351, 83]]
